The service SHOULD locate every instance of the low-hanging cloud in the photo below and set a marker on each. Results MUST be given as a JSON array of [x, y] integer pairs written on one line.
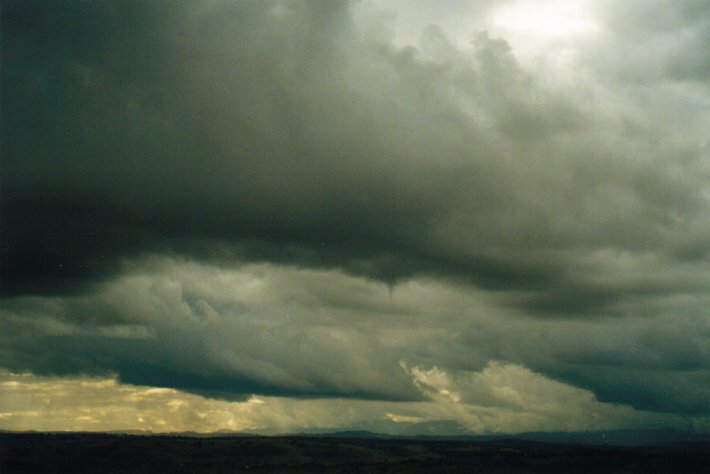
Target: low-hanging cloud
[[275, 330]]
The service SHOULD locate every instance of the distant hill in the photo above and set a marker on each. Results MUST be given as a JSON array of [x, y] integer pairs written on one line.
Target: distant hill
[[443, 430], [449, 431]]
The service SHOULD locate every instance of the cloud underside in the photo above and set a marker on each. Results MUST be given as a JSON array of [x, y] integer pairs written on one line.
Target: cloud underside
[[305, 199], [282, 330], [243, 130]]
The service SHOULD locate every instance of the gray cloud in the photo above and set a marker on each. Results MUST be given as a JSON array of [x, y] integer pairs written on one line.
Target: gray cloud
[[341, 153], [245, 122], [232, 332]]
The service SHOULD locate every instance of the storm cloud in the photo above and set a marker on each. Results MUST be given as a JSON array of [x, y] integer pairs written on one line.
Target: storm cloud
[[312, 198]]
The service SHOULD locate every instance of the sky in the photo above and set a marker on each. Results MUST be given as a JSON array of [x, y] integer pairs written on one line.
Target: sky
[[401, 216]]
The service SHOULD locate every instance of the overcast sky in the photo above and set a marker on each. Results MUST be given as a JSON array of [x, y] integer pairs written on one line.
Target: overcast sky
[[489, 215]]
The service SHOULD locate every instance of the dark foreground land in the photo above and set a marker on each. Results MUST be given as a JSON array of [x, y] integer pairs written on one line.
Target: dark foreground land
[[107, 453]]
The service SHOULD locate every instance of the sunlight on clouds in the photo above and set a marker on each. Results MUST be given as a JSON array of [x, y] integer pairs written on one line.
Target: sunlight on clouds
[[511, 398], [403, 418], [547, 36], [500, 398], [317, 333], [91, 404], [434, 383], [546, 19]]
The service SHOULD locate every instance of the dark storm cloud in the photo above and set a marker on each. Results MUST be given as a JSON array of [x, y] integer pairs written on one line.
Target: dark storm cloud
[[220, 332], [278, 130], [290, 134], [124, 129], [266, 329]]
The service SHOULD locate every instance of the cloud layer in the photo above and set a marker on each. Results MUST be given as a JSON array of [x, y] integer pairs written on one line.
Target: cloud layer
[[515, 400], [301, 198], [260, 328]]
